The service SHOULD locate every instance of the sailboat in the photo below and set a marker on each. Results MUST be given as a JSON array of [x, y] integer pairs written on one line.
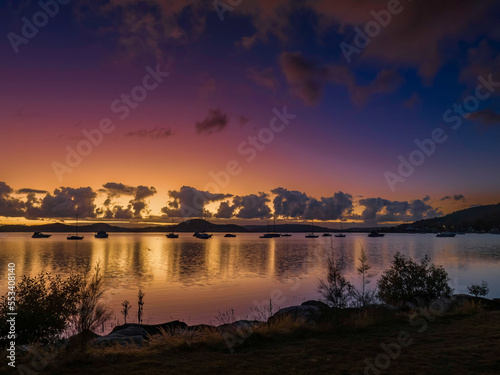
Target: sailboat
[[203, 235], [340, 234], [286, 234], [312, 235], [274, 234], [75, 236]]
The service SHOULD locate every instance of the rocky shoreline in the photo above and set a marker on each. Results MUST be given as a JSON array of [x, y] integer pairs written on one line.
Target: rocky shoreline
[[308, 313]]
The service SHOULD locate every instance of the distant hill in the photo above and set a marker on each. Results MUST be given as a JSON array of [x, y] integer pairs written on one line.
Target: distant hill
[[482, 218], [186, 226], [292, 228]]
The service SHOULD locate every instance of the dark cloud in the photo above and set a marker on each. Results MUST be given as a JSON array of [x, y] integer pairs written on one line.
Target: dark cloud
[[420, 210], [294, 204], [190, 202], [486, 117], [265, 78], [65, 202], [119, 212], [383, 210], [407, 41], [156, 133], [458, 197], [31, 191], [137, 205], [253, 206], [482, 61], [215, 121], [225, 211], [426, 198], [10, 206], [144, 29], [307, 79], [446, 197], [291, 204]]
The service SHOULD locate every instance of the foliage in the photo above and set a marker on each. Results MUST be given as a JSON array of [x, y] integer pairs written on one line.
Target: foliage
[[479, 290], [336, 291], [409, 281], [91, 314], [364, 297], [140, 303], [126, 307], [44, 306]]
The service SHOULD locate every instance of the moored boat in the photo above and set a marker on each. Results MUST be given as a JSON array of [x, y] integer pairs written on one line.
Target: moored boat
[[202, 235], [446, 234], [101, 234], [374, 233], [75, 236], [40, 235]]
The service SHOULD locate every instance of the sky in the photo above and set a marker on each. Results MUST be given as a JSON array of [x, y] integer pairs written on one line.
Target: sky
[[371, 112]]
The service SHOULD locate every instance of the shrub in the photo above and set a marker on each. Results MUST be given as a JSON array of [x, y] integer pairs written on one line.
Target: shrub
[[91, 314], [336, 291], [44, 306], [126, 307], [409, 281], [363, 297], [479, 290]]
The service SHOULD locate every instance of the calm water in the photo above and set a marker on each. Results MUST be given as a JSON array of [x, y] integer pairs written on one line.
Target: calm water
[[192, 280]]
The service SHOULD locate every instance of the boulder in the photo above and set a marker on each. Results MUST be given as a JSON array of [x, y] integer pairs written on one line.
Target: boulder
[[322, 306], [309, 314], [154, 329], [131, 334]]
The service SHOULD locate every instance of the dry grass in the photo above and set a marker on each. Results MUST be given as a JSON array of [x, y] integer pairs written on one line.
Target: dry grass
[[468, 308], [461, 343]]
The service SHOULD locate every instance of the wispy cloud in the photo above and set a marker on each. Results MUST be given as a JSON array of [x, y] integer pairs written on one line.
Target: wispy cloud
[[215, 121], [156, 133]]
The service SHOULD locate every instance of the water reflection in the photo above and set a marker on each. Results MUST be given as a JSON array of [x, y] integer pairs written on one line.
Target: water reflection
[[187, 278]]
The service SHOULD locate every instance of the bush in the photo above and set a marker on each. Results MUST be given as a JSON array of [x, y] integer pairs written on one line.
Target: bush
[[90, 313], [44, 305], [479, 290], [363, 297], [409, 281], [336, 291]]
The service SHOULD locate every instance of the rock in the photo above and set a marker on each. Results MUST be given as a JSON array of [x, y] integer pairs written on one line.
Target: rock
[[239, 326], [322, 306], [131, 334], [309, 314], [154, 329]]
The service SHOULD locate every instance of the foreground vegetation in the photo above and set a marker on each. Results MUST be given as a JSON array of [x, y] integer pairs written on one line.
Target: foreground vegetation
[[424, 330], [465, 341]]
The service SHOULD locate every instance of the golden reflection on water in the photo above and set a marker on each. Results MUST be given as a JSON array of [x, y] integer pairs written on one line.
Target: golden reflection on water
[[191, 279]]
